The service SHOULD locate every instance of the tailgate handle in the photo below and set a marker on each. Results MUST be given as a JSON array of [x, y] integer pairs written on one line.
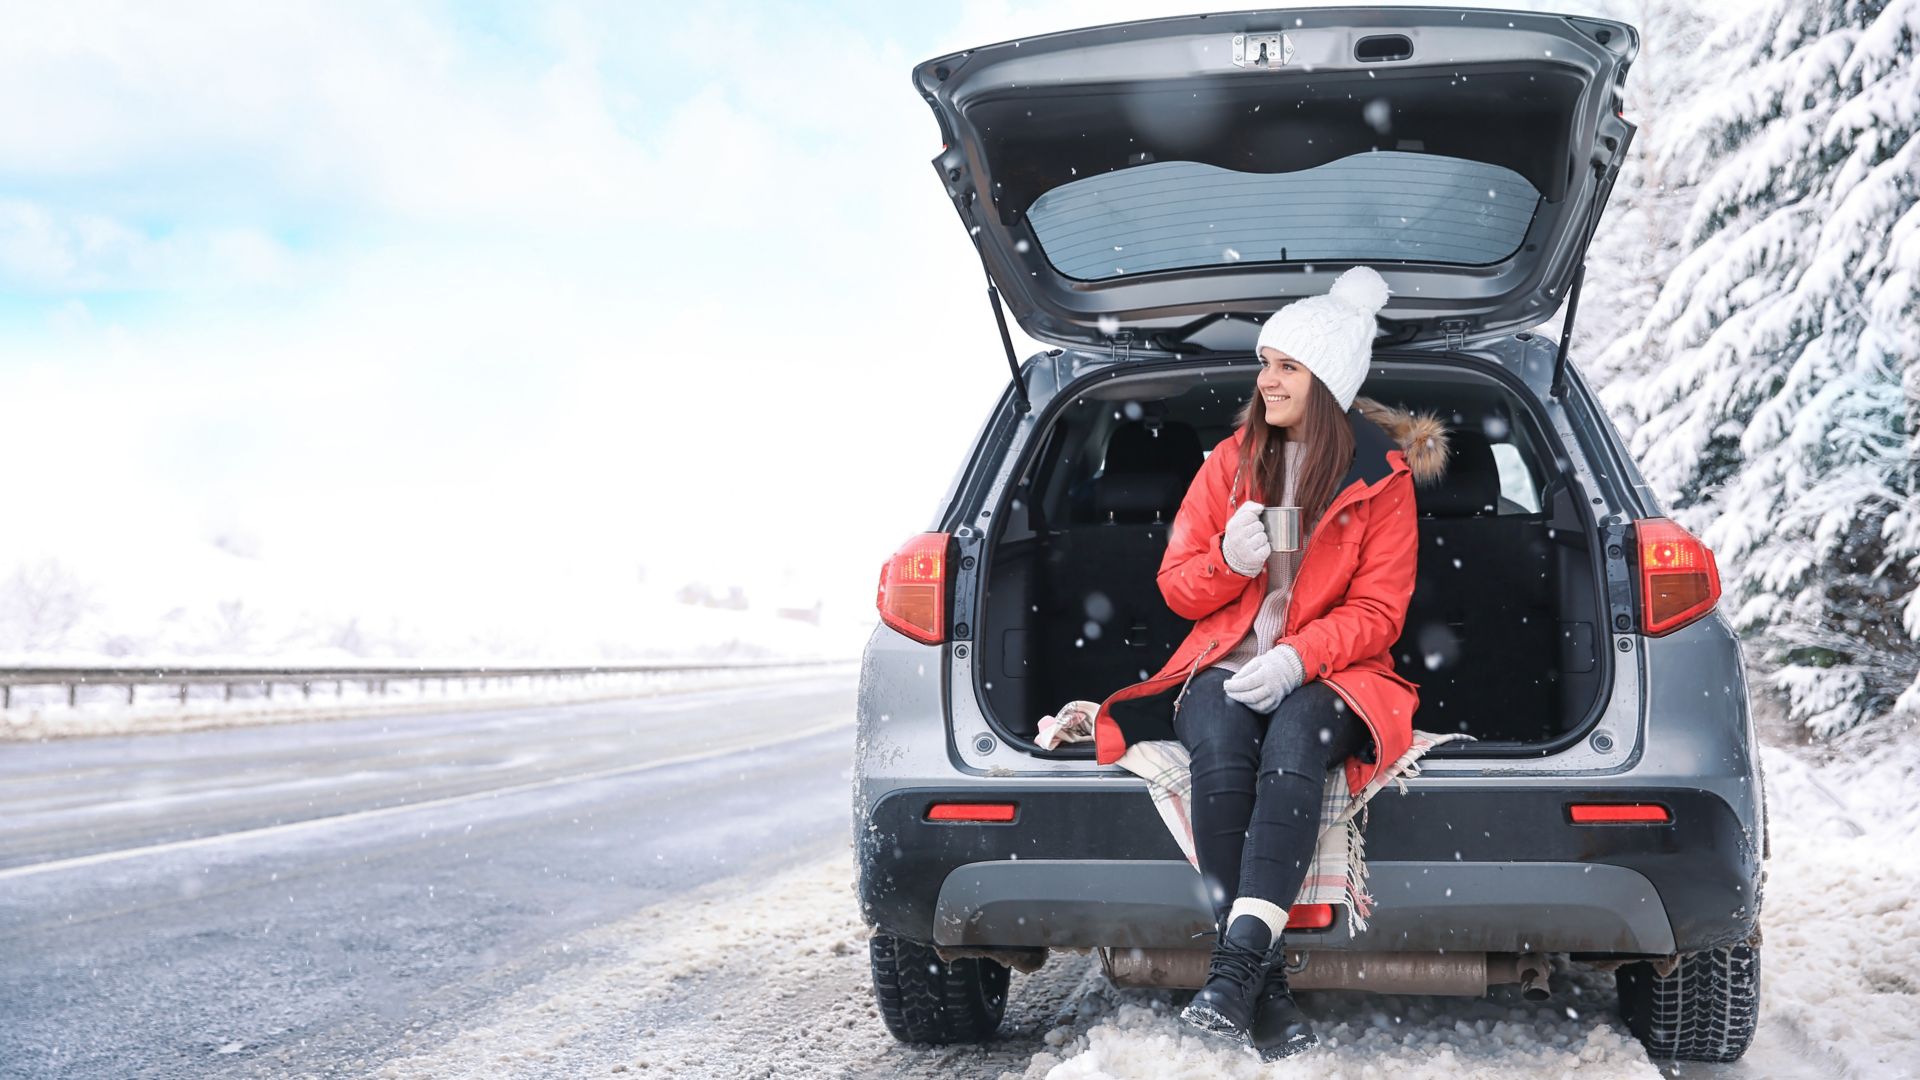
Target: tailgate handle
[[1382, 47]]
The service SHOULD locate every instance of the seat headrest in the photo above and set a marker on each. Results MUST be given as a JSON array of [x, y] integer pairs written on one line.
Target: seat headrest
[[1134, 448], [1471, 485], [1146, 474]]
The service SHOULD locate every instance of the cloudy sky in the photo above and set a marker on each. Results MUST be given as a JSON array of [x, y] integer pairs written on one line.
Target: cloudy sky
[[476, 305]]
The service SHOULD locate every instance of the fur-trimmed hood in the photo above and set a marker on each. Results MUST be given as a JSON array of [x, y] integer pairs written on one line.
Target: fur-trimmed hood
[[1422, 437]]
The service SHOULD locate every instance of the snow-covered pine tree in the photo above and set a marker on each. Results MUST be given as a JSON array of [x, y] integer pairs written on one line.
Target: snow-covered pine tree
[[1772, 391], [1640, 235]]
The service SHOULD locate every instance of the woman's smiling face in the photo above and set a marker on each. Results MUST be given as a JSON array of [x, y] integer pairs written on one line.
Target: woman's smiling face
[[1283, 385]]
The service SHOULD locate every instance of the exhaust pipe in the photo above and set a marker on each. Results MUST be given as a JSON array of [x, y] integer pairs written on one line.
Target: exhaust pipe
[[1464, 974], [1532, 970]]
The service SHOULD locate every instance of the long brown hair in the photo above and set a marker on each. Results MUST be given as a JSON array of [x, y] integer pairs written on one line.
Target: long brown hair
[[1326, 452]]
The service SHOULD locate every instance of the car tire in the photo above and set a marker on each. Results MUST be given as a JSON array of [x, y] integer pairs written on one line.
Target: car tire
[[925, 999], [1706, 1009]]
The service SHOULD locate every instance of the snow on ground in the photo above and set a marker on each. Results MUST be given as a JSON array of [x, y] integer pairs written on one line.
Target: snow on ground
[[42, 712], [769, 980], [1841, 909], [167, 600], [1841, 934], [772, 981], [1404, 1037], [765, 975]]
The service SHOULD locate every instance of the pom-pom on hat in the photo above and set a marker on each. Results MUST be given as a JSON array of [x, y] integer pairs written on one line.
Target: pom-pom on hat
[[1332, 334]]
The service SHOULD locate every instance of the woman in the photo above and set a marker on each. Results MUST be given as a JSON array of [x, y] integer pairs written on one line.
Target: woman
[[1286, 672]]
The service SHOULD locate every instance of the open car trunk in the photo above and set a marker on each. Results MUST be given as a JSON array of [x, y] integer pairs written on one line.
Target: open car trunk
[[1170, 182], [1504, 633]]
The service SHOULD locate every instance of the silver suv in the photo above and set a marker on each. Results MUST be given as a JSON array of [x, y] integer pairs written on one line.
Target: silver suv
[[1141, 195]]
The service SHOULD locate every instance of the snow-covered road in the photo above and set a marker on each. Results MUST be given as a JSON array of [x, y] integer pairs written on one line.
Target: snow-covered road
[[472, 896]]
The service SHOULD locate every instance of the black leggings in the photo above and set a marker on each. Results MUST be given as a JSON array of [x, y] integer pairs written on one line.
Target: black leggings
[[1258, 839]]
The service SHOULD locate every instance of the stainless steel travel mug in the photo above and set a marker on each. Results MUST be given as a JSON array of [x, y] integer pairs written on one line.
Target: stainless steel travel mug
[[1283, 527]]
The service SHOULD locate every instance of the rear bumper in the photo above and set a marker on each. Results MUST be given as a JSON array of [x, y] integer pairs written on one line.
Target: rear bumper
[[1492, 907], [1499, 870]]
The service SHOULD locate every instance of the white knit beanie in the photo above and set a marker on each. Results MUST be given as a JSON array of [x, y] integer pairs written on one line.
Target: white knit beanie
[[1332, 334]]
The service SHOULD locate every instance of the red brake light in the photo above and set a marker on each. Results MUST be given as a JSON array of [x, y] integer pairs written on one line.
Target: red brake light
[[1601, 813], [913, 589], [1310, 916], [970, 812], [1679, 581]]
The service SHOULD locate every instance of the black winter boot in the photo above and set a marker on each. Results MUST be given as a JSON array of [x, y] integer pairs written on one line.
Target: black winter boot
[[1280, 1029], [1224, 1006]]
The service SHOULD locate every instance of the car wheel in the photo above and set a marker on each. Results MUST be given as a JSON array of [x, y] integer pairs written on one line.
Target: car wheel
[[925, 999], [1706, 1009]]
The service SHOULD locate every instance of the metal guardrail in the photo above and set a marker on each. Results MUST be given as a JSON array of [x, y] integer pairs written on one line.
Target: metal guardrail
[[375, 679]]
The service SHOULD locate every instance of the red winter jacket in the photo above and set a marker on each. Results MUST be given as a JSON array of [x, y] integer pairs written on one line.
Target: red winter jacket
[[1350, 592]]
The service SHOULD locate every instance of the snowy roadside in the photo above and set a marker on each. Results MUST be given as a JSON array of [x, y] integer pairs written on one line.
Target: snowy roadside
[[59, 721], [772, 981], [1841, 910], [1841, 929], [765, 980], [766, 976]]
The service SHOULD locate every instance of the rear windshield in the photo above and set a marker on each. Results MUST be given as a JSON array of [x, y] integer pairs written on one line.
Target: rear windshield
[[1384, 205]]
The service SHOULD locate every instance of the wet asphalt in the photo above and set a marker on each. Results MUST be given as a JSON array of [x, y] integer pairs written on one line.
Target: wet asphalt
[[293, 900]]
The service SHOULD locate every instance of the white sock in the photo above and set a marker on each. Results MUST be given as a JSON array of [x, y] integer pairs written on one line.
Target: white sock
[[1266, 911]]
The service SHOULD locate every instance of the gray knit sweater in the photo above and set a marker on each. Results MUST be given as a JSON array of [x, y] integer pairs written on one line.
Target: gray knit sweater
[[1281, 565]]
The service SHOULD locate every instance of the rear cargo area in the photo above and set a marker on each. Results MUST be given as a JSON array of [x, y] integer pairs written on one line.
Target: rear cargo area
[[1503, 635]]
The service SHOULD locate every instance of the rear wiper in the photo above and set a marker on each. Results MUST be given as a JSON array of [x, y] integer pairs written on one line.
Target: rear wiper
[[1176, 338], [1179, 340], [1398, 333]]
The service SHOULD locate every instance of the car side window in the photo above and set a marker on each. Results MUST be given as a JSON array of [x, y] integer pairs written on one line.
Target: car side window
[[1516, 482]]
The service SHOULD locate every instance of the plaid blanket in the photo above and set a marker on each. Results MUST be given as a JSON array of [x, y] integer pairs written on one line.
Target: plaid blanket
[[1338, 873]]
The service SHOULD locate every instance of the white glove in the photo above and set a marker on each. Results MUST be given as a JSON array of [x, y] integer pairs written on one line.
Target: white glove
[[1244, 541], [1267, 679]]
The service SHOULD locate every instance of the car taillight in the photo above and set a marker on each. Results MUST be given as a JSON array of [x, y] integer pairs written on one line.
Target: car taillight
[[1679, 581], [913, 589], [1310, 916]]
